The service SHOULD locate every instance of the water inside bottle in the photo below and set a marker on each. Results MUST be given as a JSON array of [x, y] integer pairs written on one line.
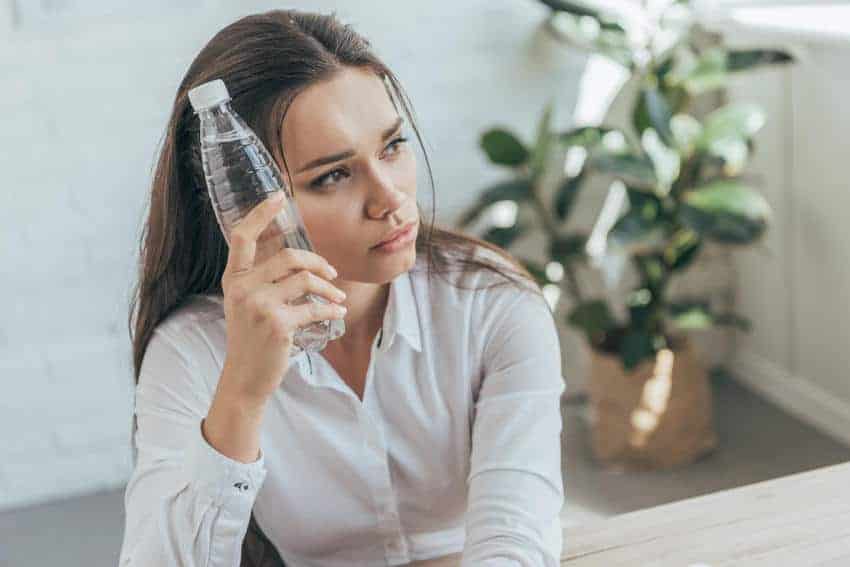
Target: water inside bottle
[[240, 174]]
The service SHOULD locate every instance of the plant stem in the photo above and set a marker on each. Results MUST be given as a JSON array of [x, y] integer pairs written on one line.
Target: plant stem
[[553, 233], [548, 223], [572, 283]]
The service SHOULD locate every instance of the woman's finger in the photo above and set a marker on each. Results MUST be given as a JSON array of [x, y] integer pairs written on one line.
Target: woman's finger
[[243, 236], [290, 260], [302, 283], [314, 311]]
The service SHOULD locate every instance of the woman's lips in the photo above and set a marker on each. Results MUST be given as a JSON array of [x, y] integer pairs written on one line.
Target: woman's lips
[[399, 242]]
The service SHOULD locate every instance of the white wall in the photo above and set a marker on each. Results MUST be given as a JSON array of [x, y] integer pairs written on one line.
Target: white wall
[[796, 287], [85, 91]]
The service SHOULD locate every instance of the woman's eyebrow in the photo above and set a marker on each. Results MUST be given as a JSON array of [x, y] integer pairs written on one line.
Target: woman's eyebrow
[[349, 153]]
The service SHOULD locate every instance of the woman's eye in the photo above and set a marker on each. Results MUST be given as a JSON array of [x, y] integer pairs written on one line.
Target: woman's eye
[[331, 175], [395, 144], [336, 175]]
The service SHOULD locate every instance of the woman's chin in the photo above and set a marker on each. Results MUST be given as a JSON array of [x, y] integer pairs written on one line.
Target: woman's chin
[[382, 268]]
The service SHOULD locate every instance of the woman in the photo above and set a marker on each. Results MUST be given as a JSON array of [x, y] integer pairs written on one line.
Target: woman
[[428, 434]]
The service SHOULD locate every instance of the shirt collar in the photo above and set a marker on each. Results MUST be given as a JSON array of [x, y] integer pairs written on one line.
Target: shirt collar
[[401, 316]]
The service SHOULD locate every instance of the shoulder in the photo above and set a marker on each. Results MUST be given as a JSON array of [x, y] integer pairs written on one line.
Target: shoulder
[[192, 337], [479, 298], [505, 303], [499, 286], [196, 309], [481, 275]]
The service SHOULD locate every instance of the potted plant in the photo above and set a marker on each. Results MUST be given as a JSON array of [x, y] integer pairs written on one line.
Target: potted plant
[[677, 183]]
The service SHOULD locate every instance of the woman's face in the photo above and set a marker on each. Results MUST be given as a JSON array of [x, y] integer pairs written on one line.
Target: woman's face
[[353, 174]]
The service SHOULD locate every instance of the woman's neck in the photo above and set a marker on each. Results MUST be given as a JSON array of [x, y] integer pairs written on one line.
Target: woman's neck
[[366, 304]]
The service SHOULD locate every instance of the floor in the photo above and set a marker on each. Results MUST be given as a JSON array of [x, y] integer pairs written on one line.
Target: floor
[[757, 442]]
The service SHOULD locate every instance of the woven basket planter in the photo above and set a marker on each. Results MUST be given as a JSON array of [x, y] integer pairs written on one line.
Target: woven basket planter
[[658, 416]]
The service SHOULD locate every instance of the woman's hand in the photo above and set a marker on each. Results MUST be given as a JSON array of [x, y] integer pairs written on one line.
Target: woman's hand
[[260, 323]]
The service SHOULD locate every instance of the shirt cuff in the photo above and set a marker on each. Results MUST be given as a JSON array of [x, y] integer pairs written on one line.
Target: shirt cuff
[[226, 481]]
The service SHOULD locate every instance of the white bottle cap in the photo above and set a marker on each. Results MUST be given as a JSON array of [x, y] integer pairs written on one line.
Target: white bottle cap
[[208, 94]]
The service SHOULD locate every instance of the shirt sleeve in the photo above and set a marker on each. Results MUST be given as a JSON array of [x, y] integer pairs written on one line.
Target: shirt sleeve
[[186, 504], [515, 481]]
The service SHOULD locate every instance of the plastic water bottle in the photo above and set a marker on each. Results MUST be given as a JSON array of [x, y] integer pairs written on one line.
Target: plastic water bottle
[[240, 174]]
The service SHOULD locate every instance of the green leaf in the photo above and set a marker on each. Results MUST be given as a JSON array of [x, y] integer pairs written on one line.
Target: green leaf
[[696, 315], [733, 320], [565, 194], [615, 45], [566, 249], [503, 148], [677, 97], [671, 34], [709, 74], [543, 142], [636, 347], [726, 211], [638, 226], [683, 248], [654, 104], [726, 229], [641, 308], [640, 318], [691, 316], [590, 34], [577, 9], [505, 236], [735, 121], [640, 114], [743, 59], [729, 197], [592, 317], [651, 270], [700, 74], [734, 153], [686, 132], [648, 202], [665, 160], [664, 66], [574, 8], [585, 136], [612, 26], [512, 190], [632, 169]]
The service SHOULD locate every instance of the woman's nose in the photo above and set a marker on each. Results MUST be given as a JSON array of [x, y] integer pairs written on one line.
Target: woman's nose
[[384, 197]]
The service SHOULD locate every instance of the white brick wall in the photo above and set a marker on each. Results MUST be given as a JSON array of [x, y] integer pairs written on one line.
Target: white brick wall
[[85, 90]]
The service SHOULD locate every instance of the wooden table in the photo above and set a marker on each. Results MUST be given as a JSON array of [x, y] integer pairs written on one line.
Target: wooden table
[[797, 520]]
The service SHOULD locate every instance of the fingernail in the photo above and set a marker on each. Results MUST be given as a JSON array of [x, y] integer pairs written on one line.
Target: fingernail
[[276, 197], [333, 271]]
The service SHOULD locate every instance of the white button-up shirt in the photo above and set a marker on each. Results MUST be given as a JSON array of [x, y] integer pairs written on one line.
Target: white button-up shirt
[[454, 448]]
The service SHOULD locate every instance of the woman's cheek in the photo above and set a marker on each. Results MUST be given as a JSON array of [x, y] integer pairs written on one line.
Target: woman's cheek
[[407, 174], [328, 225]]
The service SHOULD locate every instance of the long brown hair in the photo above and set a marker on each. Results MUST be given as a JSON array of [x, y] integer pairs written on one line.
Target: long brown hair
[[265, 60]]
